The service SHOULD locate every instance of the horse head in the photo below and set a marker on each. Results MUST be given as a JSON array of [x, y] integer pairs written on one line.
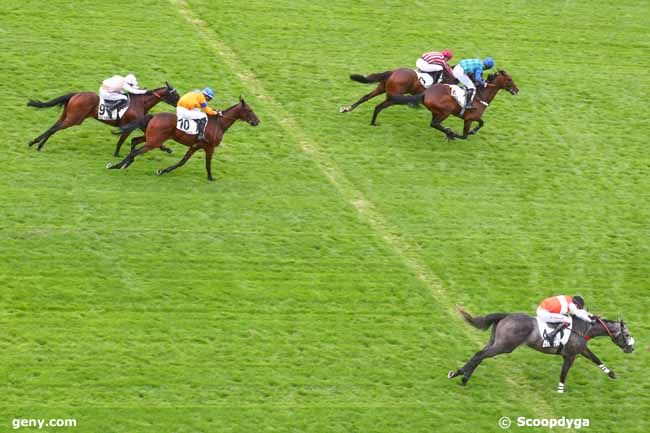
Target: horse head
[[247, 114], [619, 333], [502, 80], [171, 95]]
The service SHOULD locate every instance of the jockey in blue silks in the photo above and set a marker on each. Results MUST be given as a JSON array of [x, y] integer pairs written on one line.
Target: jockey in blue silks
[[472, 68]]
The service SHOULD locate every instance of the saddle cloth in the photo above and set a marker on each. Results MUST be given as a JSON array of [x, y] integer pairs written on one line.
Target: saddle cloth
[[424, 78], [561, 337], [458, 93], [188, 126], [106, 110]]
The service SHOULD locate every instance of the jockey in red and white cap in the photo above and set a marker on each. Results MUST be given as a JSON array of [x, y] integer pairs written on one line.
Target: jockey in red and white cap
[[558, 308], [435, 61]]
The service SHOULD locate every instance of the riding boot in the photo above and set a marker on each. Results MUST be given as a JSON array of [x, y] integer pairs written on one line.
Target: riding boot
[[468, 98], [200, 125], [550, 337]]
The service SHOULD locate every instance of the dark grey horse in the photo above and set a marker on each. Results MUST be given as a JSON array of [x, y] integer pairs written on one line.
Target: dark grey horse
[[512, 330]]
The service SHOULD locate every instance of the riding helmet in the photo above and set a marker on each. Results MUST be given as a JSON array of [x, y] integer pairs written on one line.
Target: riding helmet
[[579, 301], [447, 54], [488, 62], [208, 92], [131, 80]]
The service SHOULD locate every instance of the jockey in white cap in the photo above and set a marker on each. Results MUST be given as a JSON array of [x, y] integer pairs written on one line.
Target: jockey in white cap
[[116, 87]]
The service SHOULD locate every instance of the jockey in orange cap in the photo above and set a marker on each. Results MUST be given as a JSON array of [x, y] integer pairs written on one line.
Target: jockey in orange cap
[[558, 308]]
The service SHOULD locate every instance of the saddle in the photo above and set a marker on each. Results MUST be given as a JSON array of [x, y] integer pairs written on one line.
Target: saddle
[[112, 109], [561, 338], [428, 79]]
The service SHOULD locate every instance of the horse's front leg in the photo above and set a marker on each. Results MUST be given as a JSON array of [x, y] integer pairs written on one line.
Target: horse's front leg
[[593, 358], [568, 362], [180, 163], [209, 150], [466, 129], [118, 146], [479, 126]]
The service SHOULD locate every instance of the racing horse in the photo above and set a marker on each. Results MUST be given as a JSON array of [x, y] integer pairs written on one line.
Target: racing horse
[[162, 126], [396, 82], [510, 331], [77, 107], [440, 102]]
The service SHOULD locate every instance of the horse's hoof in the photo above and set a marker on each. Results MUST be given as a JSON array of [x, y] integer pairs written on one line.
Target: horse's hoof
[[169, 151], [451, 374], [159, 172], [344, 110], [116, 154], [109, 165], [612, 375]]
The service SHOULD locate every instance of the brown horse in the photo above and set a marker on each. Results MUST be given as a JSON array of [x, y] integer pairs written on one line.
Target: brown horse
[[439, 101], [397, 82], [162, 126], [77, 107]]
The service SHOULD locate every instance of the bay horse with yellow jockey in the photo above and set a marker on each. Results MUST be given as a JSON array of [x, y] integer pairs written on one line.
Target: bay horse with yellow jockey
[[80, 106], [161, 127]]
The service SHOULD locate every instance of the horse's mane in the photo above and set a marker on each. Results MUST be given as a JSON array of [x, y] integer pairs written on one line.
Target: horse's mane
[[492, 77]]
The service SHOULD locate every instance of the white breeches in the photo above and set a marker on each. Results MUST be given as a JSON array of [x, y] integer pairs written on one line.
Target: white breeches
[[422, 65], [460, 75], [548, 317], [195, 114], [111, 96]]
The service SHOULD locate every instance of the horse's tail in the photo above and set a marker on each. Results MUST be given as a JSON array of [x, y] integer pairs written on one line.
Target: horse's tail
[[61, 100], [413, 100], [372, 78], [132, 126], [483, 322]]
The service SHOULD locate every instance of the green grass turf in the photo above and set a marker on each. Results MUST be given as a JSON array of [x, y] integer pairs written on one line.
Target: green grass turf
[[265, 301]]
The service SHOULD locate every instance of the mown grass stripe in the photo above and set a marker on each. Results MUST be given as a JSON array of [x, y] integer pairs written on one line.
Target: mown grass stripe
[[408, 253]]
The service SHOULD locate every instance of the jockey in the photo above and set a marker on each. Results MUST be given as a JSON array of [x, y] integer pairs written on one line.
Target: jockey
[[471, 68], [117, 87], [434, 62], [194, 106], [558, 308]]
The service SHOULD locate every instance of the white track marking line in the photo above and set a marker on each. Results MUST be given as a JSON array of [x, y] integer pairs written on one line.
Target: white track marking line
[[408, 253]]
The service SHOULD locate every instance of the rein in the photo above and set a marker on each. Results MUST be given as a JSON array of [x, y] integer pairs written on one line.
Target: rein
[[605, 326]]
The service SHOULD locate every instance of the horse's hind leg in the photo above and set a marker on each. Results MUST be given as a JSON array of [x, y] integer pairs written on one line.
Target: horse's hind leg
[[64, 122], [130, 157], [378, 91], [137, 140], [436, 123], [488, 352], [385, 104], [44, 136]]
